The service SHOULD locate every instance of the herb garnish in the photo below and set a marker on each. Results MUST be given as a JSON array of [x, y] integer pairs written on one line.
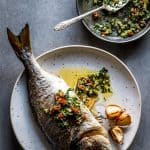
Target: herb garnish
[[88, 87], [126, 22], [66, 110]]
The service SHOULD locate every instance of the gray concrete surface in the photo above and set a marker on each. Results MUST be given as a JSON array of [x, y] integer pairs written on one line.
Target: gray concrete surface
[[42, 15]]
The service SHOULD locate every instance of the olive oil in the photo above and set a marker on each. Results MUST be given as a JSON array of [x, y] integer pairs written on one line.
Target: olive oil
[[71, 75]]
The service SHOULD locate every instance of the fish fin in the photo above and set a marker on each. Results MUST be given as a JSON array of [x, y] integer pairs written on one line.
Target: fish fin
[[20, 43]]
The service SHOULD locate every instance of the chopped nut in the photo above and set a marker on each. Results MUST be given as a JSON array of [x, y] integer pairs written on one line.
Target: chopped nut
[[113, 111], [117, 134], [61, 94]]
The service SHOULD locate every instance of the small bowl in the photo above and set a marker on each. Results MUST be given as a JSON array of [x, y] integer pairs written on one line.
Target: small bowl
[[82, 7]]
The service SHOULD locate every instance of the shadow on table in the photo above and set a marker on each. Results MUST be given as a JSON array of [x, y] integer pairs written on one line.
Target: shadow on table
[[123, 51], [137, 143]]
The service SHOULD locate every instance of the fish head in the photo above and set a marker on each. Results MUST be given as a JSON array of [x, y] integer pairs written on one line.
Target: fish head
[[94, 142], [92, 139]]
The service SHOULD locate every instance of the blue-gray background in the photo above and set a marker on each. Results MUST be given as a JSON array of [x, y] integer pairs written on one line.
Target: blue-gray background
[[42, 15]]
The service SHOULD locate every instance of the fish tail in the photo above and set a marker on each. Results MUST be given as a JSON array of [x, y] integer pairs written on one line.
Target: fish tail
[[21, 43]]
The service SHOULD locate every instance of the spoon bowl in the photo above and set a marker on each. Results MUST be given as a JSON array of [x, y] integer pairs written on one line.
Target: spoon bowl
[[114, 7]]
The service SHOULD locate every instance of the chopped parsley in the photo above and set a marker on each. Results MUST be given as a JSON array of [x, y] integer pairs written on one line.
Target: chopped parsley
[[126, 22], [66, 110], [88, 87]]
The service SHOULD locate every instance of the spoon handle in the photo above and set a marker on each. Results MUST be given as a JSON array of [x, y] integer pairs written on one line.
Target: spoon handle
[[64, 24]]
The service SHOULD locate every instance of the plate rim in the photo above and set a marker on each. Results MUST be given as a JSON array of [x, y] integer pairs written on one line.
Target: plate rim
[[129, 39], [75, 46]]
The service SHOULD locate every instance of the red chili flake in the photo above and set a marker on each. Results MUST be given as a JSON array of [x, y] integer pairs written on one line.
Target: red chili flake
[[75, 110], [62, 101], [60, 116]]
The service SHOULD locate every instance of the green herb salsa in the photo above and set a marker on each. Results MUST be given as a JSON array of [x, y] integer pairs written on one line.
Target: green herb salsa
[[88, 87], [125, 23], [66, 110]]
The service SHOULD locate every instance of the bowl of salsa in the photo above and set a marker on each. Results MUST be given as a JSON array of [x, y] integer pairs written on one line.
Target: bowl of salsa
[[125, 25]]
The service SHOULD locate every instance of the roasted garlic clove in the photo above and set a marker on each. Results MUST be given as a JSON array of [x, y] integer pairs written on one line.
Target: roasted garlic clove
[[113, 111], [117, 134], [124, 119]]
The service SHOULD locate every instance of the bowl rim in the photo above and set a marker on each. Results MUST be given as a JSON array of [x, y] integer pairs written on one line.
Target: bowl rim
[[140, 34]]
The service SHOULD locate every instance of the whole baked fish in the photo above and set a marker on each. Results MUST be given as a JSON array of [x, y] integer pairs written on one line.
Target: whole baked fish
[[63, 118]]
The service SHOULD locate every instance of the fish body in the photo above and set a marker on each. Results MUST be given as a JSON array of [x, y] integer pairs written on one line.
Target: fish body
[[42, 87]]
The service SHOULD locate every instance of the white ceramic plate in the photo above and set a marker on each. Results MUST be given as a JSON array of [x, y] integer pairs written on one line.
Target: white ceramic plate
[[125, 92]]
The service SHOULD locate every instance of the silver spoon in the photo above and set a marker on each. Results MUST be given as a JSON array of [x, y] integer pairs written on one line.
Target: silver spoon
[[64, 24]]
